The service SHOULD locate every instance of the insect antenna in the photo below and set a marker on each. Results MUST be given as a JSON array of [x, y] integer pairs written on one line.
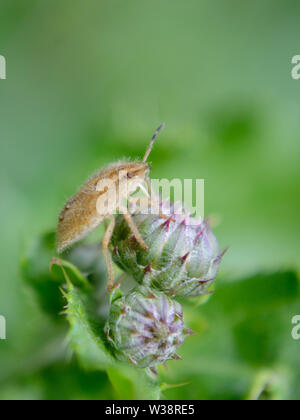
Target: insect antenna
[[148, 151]]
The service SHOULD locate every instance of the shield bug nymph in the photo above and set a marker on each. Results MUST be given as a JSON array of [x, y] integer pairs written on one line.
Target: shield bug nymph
[[101, 198]]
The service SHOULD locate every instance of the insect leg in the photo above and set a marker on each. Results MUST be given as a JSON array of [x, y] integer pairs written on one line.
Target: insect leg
[[105, 243], [134, 230]]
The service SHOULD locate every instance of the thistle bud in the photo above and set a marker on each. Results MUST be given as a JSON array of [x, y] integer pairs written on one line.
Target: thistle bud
[[145, 327], [183, 257]]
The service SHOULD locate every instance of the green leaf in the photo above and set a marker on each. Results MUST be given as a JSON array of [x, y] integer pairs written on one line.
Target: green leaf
[[88, 341], [268, 386], [62, 270], [35, 272], [243, 330], [82, 265], [258, 293], [133, 384], [86, 335]]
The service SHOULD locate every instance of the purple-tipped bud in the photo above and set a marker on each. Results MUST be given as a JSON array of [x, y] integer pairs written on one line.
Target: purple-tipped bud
[[183, 257], [149, 331]]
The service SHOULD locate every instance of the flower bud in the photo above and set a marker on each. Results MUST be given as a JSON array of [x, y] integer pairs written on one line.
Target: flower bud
[[183, 257], [145, 327]]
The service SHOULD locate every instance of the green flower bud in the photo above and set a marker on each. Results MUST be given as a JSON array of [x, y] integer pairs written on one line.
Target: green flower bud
[[183, 257], [145, 327]]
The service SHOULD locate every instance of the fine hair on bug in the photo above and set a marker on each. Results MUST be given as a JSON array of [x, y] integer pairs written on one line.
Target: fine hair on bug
[[100, 199]]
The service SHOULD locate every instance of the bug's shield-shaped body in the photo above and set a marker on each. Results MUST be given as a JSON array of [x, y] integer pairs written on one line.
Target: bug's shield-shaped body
[[97, 199]]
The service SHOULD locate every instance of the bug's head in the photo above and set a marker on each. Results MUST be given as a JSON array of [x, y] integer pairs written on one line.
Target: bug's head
[[134, 174], [137, 171]]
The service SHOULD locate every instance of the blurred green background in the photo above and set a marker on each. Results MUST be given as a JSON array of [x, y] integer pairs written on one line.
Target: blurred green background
[[88, 81]]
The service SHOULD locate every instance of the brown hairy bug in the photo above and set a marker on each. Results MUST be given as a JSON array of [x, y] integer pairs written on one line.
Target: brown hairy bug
[[81, 214]]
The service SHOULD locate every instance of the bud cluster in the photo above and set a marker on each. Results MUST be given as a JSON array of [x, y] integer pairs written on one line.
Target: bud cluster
[[183, 257], [146, 325]]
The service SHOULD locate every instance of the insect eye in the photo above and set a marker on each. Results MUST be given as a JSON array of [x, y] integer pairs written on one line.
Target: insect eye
[[129, 175]]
